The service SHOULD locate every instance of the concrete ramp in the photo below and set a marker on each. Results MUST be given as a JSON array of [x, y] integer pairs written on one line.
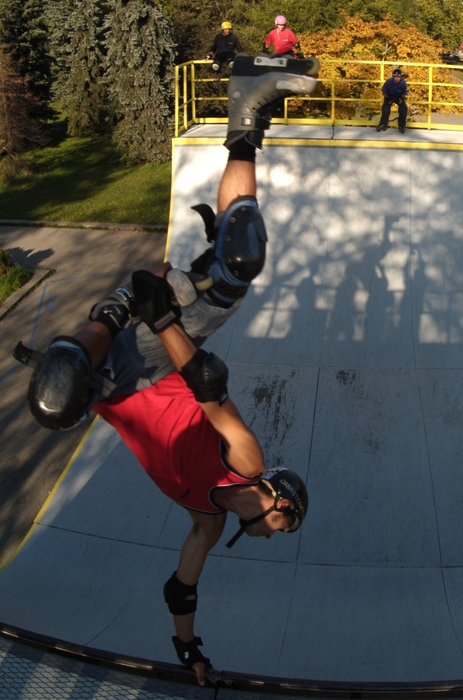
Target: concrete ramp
[[347, 361]]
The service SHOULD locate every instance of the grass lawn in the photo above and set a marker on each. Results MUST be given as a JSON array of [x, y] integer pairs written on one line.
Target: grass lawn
[[12, 277], [81, 179]]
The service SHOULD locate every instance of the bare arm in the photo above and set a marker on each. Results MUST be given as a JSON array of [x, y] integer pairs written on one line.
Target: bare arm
[[243, 450], [204, 534]]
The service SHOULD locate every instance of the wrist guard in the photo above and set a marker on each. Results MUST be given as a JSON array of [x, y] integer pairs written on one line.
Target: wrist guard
[[116, 312], [188, 652], [153, 299], [176, 596], [206, 375]]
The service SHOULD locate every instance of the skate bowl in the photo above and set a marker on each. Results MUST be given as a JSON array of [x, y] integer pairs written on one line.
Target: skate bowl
[[347, 361]]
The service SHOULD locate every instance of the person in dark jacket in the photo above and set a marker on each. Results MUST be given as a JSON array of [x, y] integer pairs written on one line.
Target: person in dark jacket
[[394, 91], [224, 48]]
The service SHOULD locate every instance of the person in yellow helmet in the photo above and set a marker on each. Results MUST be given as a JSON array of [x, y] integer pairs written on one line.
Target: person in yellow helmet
[[224, 48]]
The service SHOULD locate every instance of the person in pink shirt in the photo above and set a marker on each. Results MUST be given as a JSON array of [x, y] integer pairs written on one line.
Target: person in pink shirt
[[283, 39]]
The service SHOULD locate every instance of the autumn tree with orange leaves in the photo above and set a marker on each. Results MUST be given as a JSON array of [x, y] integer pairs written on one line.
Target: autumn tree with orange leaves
[[389, 40]]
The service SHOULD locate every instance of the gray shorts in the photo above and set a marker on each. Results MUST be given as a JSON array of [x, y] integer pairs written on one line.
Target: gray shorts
[[137, 358]]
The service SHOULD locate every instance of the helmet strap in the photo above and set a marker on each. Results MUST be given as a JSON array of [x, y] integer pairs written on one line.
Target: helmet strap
[[245, 523]]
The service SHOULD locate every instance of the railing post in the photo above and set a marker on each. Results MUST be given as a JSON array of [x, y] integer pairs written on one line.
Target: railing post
[[430, 81], [193, 92], [177, 99], [333, 98], [185, 97]]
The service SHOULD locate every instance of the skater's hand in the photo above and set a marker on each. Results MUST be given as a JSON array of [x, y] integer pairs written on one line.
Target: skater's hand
[[199, 670], [190, 656]]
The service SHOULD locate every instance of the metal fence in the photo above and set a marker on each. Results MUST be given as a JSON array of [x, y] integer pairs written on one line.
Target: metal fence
[[348, 93]]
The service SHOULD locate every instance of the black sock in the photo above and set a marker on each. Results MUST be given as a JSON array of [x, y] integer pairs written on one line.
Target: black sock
[[242, 150]]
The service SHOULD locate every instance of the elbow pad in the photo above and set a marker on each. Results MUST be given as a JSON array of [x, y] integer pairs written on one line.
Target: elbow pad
[[206, 375]]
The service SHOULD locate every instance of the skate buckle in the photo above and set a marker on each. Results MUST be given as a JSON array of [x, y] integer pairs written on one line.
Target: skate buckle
[[270, 61]]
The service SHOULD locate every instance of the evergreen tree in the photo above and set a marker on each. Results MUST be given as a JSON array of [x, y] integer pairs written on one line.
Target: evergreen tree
[[57, 14], [140, 78], [79, 52], [24, 32]]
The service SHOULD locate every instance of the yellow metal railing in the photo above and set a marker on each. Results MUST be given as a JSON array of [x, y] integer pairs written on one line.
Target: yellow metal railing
[[348, 93]]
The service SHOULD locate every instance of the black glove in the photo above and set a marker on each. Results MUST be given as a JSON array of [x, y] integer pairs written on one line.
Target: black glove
[[264, 47], [153, 298], [188, 652], [299, 54]]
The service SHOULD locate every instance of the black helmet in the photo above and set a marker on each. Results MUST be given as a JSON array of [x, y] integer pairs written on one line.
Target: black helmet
[[284, 483], [397, 71]]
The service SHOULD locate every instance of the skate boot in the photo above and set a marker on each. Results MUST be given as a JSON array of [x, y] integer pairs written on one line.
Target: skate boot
[[216, 69], [252, 66], [255, 84]]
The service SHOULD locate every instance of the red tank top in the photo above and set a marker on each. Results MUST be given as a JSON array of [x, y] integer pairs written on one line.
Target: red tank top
[[174, 441]]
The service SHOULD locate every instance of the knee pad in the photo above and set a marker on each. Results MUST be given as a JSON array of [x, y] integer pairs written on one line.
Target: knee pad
[[176, 596], [238, 255], [59, 388]]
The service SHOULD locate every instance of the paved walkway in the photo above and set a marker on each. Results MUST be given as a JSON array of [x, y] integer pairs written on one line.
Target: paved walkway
[[85, 264]]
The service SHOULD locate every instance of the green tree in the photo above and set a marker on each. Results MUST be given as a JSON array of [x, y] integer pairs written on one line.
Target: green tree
[[194, 25], [140, 79], [79, 51], [57, 14], [441, 19], [23, 30]]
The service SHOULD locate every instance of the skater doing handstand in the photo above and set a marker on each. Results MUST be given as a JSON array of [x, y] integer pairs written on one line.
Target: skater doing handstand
[[138, 363]]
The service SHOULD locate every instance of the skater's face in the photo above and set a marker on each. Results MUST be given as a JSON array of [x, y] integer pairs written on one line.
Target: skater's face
[[280, 27], [270, 524], [226, 31], [397, 78]]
